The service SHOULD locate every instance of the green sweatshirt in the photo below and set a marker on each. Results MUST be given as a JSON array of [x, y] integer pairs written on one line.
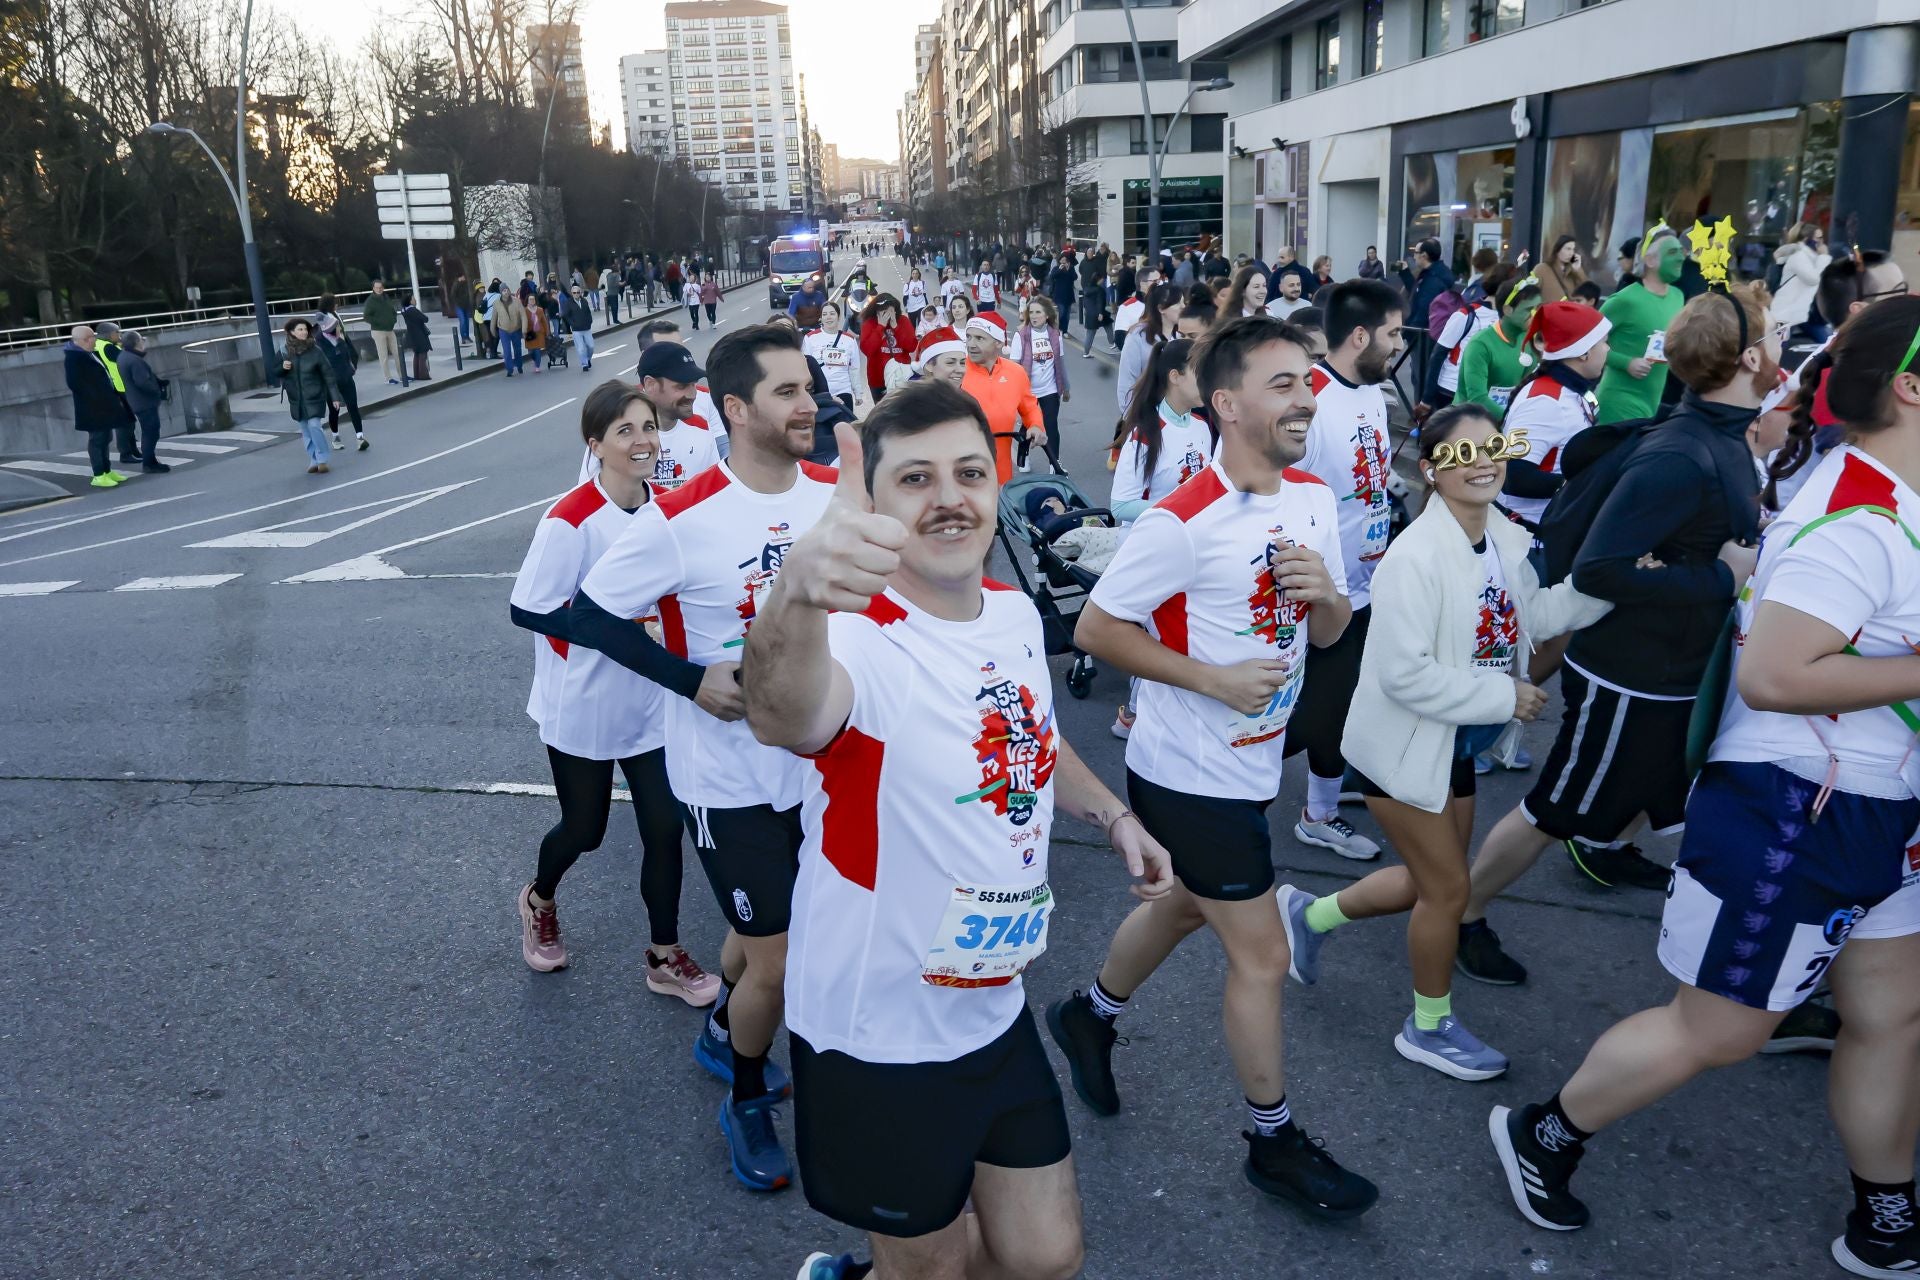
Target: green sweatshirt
[[378, 311], [1636, 315], [1491, 363]]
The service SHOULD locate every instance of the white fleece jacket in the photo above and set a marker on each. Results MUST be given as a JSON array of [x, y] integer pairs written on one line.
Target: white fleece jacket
[[1417, 679]]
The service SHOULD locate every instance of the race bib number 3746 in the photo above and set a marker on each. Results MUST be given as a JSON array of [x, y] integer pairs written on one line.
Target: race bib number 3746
[[988, 935]]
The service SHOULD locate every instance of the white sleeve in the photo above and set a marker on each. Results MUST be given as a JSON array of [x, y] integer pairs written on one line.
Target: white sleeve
[[1328, 543], [642, 565], [1129, 485], [1455, 328], [1158, 552], [551, 572], [1842, 573]]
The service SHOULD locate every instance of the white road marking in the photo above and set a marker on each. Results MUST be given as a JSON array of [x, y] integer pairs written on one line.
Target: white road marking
[[529, 789], [302, 497], [275, 535], [35, 588], [173, 461], [46, 526], [371, 567], [183, 582], [50, 468], [196, 446], [255, 437]]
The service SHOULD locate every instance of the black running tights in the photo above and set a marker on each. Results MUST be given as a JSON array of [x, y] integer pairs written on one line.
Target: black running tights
[[586, 794]]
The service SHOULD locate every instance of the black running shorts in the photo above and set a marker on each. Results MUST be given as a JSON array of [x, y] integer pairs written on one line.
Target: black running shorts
[[1616, 756], [1320, 717], [1221, 849], [889, 1147], [751, 856]]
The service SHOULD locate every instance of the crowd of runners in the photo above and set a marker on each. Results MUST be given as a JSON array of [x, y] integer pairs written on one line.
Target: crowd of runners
[[808, 669]]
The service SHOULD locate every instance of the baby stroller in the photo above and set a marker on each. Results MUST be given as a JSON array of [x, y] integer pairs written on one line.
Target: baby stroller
[[1029, 528]]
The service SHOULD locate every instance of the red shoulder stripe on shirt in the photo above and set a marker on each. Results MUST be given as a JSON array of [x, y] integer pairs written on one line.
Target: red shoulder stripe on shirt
[[1545, 386], [825, 475], [578, 505], [696, 490], [849, 771], [1301, 477], [673, 625], [1862, 485], [695, 420], [1319, 379], [881, 611], [988, 584], [558, 646], [1170, 622], [1195, 496]]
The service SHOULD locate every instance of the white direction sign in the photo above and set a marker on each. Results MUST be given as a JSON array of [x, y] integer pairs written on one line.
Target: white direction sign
[[413, 182], [417, 231], [418, 213]]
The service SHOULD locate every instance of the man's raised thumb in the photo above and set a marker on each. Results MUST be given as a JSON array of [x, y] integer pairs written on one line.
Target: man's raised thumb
[[852, 485]]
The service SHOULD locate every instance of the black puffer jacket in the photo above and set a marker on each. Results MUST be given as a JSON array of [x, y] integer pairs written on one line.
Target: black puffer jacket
[[310, 384]]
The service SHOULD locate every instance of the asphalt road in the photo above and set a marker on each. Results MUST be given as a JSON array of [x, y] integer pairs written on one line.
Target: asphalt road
[[266, 1013]]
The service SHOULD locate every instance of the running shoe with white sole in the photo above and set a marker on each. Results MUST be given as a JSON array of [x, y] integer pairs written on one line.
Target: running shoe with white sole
[[1123, 723], [1537, 1174], [1450, 1049], [717, 1058], [820, 1266], [1807, 1028], [1293, 1167], [1337, 834], [753, 1143], [1869, 1249], [679, 975], [1303, 944], [540, 943]]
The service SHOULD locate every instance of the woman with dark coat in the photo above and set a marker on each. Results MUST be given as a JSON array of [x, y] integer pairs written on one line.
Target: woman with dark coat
[[338, 349], [306, 376], [419, 339]]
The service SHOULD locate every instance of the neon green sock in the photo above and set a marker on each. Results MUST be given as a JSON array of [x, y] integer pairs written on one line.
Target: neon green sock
[[1324, 914], [1428, 1011]]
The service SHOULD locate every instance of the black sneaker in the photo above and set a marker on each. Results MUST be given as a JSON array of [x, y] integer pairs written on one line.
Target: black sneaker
[[1087, 1040], [1537, 1175], [1481, 958], [1808, 1028], [1293, 1167], [1867, 1250], [1617, 867]]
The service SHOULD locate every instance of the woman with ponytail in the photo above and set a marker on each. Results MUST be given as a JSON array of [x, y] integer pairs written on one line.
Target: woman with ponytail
[[1795, 862], [1162, 443]]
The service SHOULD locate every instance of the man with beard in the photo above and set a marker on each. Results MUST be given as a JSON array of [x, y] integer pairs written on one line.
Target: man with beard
[[1347, 449], [1671, 546], [1212, 602], [703, 557], [920, 696]]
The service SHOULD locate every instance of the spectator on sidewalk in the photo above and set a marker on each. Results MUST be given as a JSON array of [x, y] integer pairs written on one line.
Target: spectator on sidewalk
[[339, 351], [419, 339], [509, 321], [144, 394], [578, 316], [97, 407], [462, 297], [536, 330], [306, 376], [107, 350], [381, 316], [1371, 268]]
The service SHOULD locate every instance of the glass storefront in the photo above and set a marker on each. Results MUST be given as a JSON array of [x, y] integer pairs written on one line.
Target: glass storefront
[[1083, 214], [1190, 208], [1463, 199]]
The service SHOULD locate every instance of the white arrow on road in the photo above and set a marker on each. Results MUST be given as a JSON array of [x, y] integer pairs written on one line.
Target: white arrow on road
[[276, 535], [371, 567]]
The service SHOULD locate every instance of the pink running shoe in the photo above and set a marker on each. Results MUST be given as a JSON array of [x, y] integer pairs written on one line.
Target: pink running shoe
[[679, 975], [540, 942]]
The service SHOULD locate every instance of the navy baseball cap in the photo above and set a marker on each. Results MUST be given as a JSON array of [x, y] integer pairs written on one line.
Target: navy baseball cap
[[671, 361]]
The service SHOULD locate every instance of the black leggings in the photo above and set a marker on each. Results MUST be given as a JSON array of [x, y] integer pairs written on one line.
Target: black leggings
[[350, 397], [586, 793], [1049, 418], [1320, 717]]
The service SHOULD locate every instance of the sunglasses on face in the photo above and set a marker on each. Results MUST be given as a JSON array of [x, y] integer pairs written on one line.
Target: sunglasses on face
[[1497, 447]]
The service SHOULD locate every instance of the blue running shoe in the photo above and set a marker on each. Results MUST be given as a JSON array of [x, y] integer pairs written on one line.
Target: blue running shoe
[[753, 1144], [1450, 1049], [717, 1057], [819, 1266], [1302, 941]]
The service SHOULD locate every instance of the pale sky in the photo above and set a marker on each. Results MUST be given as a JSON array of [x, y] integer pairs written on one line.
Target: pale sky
[[858, 60]]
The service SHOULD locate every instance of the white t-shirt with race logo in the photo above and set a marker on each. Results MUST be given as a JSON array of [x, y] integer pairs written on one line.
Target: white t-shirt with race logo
[[1454, 337], [986, 289], [923, 872], [838, 354], [1552, 415], [1858, 573], [585, 703], [1195, 572], [1347, 449], [685, 452], [706, 555], [1496, 627], [1045, 380], [951, 289], [1186, 447]]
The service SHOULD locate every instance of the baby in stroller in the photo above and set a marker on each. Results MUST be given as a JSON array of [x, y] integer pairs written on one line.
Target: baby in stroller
[[1068, 526]]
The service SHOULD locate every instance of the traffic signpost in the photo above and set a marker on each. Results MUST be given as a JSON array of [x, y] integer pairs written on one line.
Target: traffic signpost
[[414, 206]]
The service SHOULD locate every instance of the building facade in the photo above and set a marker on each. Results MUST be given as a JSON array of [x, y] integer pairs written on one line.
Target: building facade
[[736, 106], [646, 101], [557, 74], [1506, 124], [924, 154]]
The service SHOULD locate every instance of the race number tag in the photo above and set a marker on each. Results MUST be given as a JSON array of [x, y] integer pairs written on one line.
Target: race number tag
[[1042, 347], [1657, 346], [834, 357], [1271, 720], [1502, 396], [988, 935]]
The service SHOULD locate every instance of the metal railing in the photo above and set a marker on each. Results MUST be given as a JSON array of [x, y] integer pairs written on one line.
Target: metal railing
[[152, 322]]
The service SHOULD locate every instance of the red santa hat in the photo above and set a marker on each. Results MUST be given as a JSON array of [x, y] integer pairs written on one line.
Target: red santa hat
[[1567, 330], [988, 322], [938, 342]]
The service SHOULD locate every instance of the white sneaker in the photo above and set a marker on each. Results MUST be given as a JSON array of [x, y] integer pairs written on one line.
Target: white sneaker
[[1337, 834], [337, 443], [1123, 723]]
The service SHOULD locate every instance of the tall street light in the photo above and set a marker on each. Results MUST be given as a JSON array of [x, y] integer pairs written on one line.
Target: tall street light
[[1156, 154], [256, 280]]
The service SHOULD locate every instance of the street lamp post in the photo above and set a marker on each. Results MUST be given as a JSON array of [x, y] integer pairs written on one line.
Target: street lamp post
[[1156, 154], [256, 279]]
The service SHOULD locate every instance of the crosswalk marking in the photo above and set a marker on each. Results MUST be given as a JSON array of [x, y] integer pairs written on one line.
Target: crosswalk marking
[[183, 582], [278, 535], [254, 437], [172, 460], [196, 446], [50, 468], [35, 588]]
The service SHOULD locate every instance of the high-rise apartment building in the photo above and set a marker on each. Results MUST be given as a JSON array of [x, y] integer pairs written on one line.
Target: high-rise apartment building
[[554, 58], [923, 154], [646, 100], [736, 109]]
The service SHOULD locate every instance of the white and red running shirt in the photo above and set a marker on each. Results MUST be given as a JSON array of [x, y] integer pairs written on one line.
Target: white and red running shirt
[[1551, 415], [923, 874], [1186, 447], [1456, 334], [1347, 449], [838, 354], [685, 451], [1194, 572], [706, 555], [1496, 627], [1860, 574], [585, 703], [986, 289]]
